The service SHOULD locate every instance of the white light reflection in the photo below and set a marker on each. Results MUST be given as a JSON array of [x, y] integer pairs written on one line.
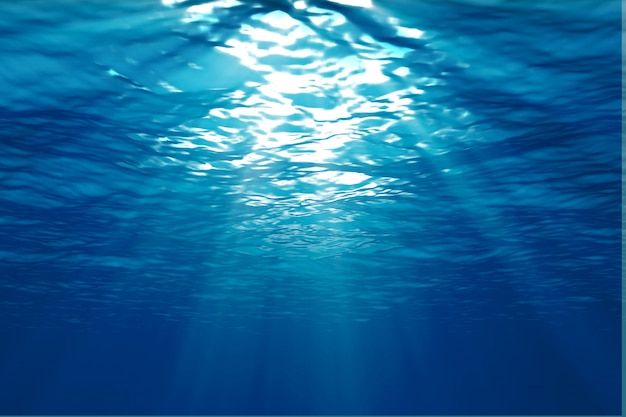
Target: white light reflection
[[409, 32], [171, 2], [299, 5], [354, 3], [321, 90], [310, 106]]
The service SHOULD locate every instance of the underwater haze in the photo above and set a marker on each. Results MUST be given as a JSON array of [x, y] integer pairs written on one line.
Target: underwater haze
[[385, 207]]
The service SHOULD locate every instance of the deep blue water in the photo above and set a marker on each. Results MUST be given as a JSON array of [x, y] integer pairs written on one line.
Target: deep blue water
[[287, 207]]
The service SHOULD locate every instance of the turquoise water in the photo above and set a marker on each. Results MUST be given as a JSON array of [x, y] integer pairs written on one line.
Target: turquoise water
[[310, 207]]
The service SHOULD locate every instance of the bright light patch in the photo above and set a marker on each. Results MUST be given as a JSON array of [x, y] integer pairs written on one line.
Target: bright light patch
[[205, 12], [351, 178], [373, 72], [169, 87], [278, 19], [355, 3], [304, 104], [337, 177], [299, 5], [202, 167], [401, 72], [409, 32]]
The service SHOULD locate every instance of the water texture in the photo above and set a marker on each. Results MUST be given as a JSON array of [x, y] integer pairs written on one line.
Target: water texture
[[310, 207]]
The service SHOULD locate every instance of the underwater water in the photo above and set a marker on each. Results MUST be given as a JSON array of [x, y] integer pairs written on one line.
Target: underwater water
[[310, 207]]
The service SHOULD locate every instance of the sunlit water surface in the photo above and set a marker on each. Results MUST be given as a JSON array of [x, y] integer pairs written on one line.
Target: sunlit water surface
[[235, 186]]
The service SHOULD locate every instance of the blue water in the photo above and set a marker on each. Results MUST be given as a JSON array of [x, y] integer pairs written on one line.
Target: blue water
[[308, 207]]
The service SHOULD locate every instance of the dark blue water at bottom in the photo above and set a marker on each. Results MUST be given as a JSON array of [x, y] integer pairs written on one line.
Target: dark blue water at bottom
[[294, 368], [310, 207]]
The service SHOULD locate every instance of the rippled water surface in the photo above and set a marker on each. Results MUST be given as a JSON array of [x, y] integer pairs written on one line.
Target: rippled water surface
[[310, 207]]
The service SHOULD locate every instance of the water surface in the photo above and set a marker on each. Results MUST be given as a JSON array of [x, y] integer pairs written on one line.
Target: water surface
[[310, 207]]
